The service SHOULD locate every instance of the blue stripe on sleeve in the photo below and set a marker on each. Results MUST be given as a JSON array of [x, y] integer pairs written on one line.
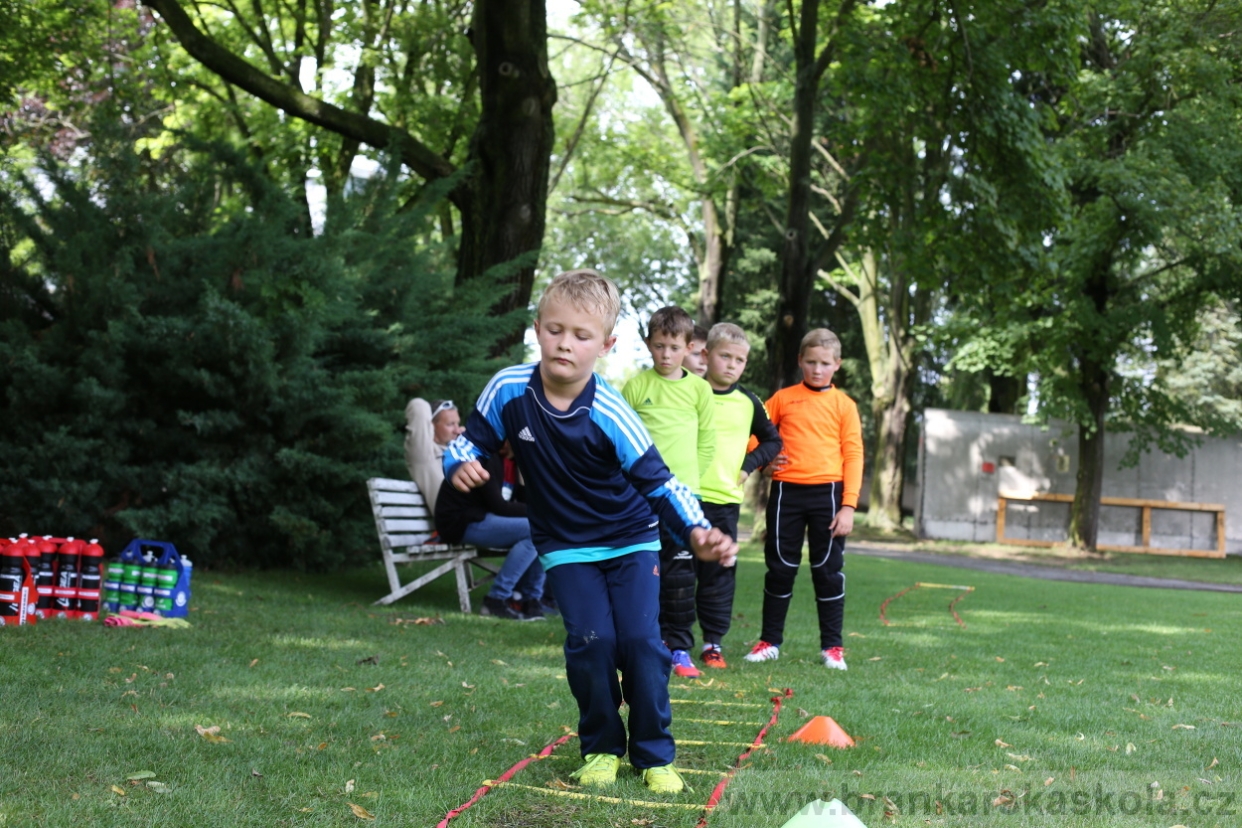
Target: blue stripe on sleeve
[[622, 425]]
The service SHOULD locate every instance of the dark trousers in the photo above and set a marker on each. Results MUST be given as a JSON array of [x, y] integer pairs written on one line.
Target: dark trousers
[[713, 597], [678, 571], [796, 511], [611, 611]]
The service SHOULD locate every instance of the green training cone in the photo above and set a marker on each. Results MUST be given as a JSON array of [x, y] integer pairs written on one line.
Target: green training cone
[[821, 814]]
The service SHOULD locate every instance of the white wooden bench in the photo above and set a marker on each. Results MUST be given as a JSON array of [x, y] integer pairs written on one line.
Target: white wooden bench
[[405, 526]]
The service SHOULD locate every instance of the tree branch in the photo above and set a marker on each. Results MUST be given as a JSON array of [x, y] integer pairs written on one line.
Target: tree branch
[[830, 48], [416, 155]]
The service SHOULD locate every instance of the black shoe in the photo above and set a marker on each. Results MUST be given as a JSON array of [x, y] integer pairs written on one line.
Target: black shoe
[[532, 610], [498, 608]]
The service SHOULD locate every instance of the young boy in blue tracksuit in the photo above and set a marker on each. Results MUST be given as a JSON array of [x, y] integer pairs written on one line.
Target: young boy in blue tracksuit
[[598, 492]]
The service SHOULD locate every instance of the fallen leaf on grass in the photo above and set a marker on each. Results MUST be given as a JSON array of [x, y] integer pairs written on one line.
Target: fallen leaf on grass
[[1049, 781], [211, 734], [298, 714], [875, 658], [1003, 800], [454, 728], [349, 786], [1000, 743], [998, 658], [360, 812], [321, 746], [498, 661], [867, 796], [1013, 688], [1018, 757], [856, 635], [158, 787], [142, 774], [436, 703], [467, 686], [1130, 748], [1183, 727], [1013, 768], [559, 784], [1040, 664], [118, 790], [254, 661], [823, 758], [375, 689], [1215, 762]]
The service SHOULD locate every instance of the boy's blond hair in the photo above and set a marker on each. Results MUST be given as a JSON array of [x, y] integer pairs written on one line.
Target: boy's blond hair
[[726, 333], [671, 321], [821, 338], [587, 290]]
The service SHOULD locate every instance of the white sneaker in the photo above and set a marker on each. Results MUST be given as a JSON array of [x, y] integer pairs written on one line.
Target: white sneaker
[[763, 651], [834, 658]]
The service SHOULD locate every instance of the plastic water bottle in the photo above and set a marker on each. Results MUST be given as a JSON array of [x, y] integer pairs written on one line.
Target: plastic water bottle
[[146, 584], [66, 590], [45, 576], [89, 580], [11, 575]]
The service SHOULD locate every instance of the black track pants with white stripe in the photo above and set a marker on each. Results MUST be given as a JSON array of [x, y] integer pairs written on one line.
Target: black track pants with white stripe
[[795, 512]]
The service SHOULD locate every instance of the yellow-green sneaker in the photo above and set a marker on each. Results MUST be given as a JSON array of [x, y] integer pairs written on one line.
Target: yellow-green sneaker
[[664, 780], [600, 769]]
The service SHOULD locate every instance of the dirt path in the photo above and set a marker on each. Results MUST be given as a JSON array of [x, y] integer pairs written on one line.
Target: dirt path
[[1025, 570]]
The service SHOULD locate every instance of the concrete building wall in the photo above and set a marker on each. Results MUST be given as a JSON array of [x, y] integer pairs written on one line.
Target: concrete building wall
[[966, 458]]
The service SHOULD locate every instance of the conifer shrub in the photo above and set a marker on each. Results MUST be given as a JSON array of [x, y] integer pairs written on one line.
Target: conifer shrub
[[181, 360]]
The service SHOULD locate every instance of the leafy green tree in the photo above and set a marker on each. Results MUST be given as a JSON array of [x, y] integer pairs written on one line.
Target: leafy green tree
[[1147, 135], [413, 93], [949, 164]]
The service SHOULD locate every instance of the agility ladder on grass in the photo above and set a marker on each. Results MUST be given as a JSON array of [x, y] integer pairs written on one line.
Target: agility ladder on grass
[[966, 590], [712, 801]]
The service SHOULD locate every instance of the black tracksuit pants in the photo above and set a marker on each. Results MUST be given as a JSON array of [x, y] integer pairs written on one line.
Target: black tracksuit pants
[[796, 511], [688, 585]]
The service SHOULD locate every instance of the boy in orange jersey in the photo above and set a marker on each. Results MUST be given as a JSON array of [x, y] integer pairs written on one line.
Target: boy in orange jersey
[[815, 487]]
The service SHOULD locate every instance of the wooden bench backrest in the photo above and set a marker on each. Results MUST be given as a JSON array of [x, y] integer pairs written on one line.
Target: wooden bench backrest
[[401, 516]]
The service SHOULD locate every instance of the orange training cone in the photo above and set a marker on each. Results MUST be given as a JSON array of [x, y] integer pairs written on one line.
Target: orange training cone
[[822, 730]]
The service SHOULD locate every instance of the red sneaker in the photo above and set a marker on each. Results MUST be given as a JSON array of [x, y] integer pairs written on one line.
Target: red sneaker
[[712, 657]]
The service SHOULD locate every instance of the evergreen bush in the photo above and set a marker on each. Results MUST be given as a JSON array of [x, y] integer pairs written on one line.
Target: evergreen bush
[[179, 360]]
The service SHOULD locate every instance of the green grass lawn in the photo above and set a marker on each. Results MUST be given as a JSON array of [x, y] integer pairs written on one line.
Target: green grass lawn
[[1056, 698]]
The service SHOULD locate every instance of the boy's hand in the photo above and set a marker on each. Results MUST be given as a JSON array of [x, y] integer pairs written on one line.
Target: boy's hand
[[843, 523], [469, 476], [741, 477], [713, 545], [779, 462]]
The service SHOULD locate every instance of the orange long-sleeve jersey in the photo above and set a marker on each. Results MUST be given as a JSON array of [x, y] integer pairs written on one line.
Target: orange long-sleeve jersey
[[822, 438]]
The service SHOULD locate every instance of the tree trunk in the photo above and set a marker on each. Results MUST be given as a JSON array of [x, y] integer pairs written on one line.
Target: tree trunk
[[1085, 510], [797, 280], [502, 202], [1005, 392], [502, 216], [888, 466]]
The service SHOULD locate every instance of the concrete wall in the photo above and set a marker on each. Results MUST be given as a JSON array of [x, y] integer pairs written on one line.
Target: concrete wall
[[957, 497]]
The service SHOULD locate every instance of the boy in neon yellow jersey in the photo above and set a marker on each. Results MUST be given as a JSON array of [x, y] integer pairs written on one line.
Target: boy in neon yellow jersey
[[741, 422], [676, 406]]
